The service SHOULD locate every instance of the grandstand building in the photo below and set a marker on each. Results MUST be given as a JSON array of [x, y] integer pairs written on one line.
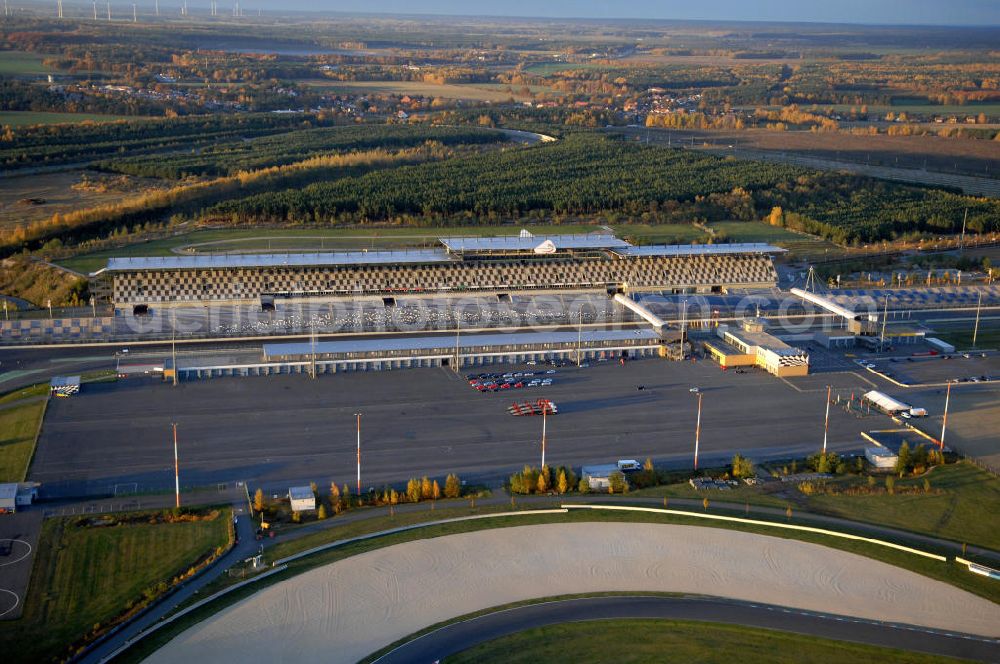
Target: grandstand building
[[476, 264]]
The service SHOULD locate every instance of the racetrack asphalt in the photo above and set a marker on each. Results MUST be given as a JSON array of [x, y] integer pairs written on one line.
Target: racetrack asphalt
[[460, 636]]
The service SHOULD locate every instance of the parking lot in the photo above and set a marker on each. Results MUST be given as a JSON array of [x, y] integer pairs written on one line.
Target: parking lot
[[954, 367], [284, 429]]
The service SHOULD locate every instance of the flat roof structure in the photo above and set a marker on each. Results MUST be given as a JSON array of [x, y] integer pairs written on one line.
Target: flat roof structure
[[530, 243], [226, 261], [64, 381], [700, 249], [403, 344]]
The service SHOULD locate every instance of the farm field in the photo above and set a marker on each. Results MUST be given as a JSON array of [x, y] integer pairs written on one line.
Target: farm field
[[948, 155], [86, 574], [21, 63], [471, 91], [55, 195], [28, 118]]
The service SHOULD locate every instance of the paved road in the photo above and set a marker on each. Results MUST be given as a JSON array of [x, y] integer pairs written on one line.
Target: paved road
[[457, 637]]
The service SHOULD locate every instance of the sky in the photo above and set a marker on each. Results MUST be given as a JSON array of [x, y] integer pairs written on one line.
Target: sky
[[926, 12]]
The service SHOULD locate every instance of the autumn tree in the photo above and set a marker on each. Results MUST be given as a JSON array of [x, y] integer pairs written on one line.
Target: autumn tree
[[616, 482], [426, 489], [452, 486], [413, 490], [436, 490], [563, 483], [258, 500], [335, 498]]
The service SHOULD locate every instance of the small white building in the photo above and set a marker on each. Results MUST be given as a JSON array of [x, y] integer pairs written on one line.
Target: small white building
[[302, 499], [881, 458], [13, 495], [597, 476]]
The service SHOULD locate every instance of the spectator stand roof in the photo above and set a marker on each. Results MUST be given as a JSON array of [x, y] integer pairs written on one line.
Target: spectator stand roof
[[227, 261], [532, 243], [700, 249]]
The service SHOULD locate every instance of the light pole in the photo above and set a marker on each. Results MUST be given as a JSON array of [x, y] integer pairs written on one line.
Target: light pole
[[944, 421], [975, 330], [545, 412], [177, 477], [697, 433], [358, 415], [826, 425]]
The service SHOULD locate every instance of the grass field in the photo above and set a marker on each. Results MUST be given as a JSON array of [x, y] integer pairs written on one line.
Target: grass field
[[626, 641], [960, 512], [962, 339], [799, 244], [20, 63], [25, 118], [86, 575], [18, 426], [447, 91], [286, 239], [741, 494]]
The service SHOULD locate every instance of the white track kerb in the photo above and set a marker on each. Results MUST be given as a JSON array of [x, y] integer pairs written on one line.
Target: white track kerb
[[756, 522]]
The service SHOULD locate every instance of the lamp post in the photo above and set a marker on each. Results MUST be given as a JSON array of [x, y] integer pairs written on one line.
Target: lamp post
[[944, 421], [177, 477], [975, 330], [545, 412], [697, 432], [358, 416], [826, 425]]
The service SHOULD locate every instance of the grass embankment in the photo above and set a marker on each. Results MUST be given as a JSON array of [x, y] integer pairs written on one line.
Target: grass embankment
[[960, 495], [85, 576], [739, 495], [948, 572], [685, 641], [18, 428], [38, 283], [961, 506]]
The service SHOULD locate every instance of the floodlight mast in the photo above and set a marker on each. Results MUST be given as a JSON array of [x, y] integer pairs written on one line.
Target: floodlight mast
[[358, 416], [545, 412], [697, 432], [177, 477], [826, 425]]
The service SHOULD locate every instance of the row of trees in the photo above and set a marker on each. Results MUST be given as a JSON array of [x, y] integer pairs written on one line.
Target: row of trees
[[229, 158], [585, 174], [340, 499]]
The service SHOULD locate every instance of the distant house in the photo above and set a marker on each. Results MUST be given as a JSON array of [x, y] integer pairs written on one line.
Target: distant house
[[302, 499]]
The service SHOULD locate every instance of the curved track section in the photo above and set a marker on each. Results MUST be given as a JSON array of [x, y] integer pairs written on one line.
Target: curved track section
[[344, 611], [455, 638]]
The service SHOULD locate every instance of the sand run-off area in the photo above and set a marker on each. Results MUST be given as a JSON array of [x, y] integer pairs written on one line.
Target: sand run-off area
[[346, 610]]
